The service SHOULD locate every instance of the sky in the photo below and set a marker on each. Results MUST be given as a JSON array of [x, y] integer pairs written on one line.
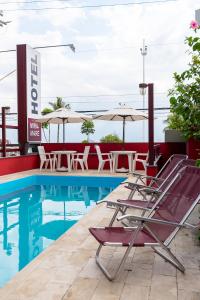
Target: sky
[[106, 68]]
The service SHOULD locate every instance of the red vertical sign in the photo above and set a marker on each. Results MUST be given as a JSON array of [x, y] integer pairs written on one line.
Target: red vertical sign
[[28, 93]]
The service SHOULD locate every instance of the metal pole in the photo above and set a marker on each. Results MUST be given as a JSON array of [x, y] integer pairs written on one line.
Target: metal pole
[[63, 131], [151, 123], [49, 133], [123, 137], [143, 51], [3, 114]]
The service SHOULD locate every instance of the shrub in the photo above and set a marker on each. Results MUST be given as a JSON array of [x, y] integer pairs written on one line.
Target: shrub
[[111, 138]]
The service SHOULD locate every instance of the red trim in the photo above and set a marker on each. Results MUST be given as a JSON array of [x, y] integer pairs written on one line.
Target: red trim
[[10, 126], [22, 96]]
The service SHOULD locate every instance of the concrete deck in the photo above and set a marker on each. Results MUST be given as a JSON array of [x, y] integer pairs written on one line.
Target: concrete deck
[[67, 269]]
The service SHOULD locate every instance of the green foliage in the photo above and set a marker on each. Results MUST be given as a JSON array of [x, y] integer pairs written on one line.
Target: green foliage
[[175, 121], [198, 162], [185, 95], [85, 141], [87, 128], [111, 138], [44, 112], [59, 103]]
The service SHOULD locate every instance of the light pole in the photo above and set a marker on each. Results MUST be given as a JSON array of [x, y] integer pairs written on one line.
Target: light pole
[[143, 51], [150, 87]]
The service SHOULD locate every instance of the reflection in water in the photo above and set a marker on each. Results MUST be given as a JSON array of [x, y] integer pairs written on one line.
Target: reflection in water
[[33, 218]]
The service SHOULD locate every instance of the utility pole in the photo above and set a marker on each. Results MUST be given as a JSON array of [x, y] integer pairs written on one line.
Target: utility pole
[[143, 51]]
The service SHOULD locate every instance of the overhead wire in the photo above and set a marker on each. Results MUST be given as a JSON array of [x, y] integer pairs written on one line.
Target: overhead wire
[[90, 6]]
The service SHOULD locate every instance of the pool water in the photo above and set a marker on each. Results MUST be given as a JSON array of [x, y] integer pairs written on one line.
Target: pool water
[[36, 210]]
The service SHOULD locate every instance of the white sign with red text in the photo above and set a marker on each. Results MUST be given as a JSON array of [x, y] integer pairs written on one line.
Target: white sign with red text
[[33, 73]]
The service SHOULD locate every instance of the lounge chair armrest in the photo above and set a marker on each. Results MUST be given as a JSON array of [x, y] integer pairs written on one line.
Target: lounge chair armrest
[[192, 226], [149, 220], [113, 204], [132, 185], [150, 190], [137, 174]]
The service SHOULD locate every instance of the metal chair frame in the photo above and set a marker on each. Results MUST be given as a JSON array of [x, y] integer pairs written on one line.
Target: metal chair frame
[[141, 222]]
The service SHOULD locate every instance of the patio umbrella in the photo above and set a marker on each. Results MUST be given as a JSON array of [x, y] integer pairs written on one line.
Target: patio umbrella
[[122, 113], [63, 116]]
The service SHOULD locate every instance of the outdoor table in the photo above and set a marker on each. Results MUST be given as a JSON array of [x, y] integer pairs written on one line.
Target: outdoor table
[[131, 160], [68, 153]]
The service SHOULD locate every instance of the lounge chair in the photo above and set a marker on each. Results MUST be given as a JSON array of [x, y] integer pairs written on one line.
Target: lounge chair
[[149, 195], [158, 229], [159, 178]]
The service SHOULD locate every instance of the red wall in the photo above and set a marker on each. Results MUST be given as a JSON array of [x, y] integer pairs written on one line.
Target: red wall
[[9, 165], [193, 148]]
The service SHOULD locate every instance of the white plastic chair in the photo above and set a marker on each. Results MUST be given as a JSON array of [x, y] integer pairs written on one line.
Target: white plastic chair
[[46, 158], [102, 160], [142, 158], [81, 158]]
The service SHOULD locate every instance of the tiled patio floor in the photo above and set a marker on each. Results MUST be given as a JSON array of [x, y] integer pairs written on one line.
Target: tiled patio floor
[[67, 269]]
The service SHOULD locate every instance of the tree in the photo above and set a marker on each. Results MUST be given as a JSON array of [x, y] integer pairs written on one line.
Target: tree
[[87, 128], [185, 95], [59, 103], [45, 111], [111, 138]]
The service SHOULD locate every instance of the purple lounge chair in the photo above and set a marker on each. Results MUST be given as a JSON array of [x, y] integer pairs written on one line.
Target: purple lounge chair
[[160, 227], [156, 181], [146, 205]]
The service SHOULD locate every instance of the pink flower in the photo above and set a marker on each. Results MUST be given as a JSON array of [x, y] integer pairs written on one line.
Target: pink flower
[[194, 25]]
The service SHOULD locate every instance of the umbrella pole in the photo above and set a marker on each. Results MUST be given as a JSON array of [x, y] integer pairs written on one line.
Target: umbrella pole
[[123, 138], [63, 131]]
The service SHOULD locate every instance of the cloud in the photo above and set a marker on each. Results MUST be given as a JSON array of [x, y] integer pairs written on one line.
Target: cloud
[[108, 59]]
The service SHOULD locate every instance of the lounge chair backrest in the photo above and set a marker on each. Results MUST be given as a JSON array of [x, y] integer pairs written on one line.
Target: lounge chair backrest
[[41, 152], [177, 202], [181, 164], [168, 167]]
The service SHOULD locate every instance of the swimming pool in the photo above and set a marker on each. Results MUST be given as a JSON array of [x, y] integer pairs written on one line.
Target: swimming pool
[[36, 210]]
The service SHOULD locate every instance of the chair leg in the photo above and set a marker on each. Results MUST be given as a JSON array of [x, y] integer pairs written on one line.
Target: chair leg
[[86, 164], [173, 261], [100, 166], [111, 166], [55, 163], [41, 164], [109, 276], [46, 164], [51, 164], [81, 164], [123, 260]]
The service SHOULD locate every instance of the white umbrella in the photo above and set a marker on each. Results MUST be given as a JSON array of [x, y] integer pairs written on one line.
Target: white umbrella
[[63, 116], [122, 113]]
